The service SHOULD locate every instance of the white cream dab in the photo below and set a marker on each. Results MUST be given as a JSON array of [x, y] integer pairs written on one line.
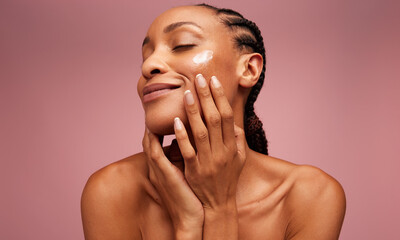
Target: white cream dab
[[203, 57]]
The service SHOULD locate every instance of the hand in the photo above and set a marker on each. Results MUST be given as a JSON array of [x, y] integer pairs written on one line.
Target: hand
[[185, 209], [213, 171]]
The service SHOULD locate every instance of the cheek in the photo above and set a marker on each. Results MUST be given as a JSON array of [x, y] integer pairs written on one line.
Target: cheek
[[194, 63], [210, 63], [223, 67]]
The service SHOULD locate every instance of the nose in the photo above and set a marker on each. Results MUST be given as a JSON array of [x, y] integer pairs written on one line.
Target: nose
[[153, 65]]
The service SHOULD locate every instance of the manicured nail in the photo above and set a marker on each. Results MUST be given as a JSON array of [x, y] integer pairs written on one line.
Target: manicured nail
[[178, 124], [189, 97], [200, 80], [215, 82]]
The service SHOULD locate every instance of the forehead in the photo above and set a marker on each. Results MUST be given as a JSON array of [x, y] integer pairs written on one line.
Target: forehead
[[201, 16]]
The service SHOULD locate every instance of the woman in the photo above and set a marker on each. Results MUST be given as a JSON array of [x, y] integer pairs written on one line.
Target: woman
[[202, 70]]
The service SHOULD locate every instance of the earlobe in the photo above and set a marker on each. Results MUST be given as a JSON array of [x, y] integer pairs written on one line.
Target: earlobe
[[250, 69]]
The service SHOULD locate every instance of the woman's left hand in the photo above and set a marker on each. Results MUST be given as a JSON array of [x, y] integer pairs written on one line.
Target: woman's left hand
[[213, 172], [184, 208]]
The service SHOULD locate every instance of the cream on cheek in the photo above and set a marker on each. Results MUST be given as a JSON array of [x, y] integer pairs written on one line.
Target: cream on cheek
[[201, 63], [203, 57]]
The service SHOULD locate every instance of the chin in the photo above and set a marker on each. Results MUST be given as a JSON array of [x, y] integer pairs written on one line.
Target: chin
[[162, 122], [160, 128], [160, 114]]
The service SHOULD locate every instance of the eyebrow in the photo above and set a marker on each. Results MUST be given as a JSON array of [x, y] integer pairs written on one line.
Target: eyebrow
[[172, 27]]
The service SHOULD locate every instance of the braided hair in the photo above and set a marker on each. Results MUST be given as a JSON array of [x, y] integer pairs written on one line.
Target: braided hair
[[247, 36]]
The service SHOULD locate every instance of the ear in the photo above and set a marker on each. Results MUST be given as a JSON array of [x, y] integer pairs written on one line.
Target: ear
[[249, 69]]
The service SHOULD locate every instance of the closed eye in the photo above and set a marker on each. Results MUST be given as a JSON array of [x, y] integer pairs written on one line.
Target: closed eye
[[183, 47]]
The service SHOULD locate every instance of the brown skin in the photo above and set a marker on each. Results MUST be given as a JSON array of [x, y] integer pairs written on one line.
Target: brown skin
[[226, 191]]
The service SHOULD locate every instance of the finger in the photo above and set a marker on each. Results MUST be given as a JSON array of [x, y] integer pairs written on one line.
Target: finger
[[240, 142], [210, 112], [225, 110], [164, 176], [199, 130], [186, 148], [154, 171], [144, 138], [152, 175], [146, 143], [161, 165], [156, 152]]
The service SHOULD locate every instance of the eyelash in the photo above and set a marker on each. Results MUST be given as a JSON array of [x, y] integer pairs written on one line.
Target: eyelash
[[182, 47]]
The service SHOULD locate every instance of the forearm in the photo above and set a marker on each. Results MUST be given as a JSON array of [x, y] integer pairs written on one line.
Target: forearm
[[221, 223]]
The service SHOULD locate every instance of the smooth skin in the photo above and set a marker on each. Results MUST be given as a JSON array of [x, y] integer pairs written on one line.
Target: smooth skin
[[221, 189]]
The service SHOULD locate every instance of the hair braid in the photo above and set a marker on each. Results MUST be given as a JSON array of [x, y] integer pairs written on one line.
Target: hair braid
[[248, 36]]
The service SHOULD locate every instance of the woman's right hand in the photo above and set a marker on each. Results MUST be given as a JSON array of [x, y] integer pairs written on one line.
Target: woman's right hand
[[185, 209]]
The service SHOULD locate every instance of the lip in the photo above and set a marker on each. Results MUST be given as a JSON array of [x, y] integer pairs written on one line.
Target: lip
[[155, 90]]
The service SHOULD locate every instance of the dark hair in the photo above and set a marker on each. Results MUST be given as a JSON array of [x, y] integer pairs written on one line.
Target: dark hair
[[248, 37]]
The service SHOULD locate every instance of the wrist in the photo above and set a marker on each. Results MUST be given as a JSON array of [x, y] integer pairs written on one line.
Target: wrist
[[217, 213], [221, 222], [189, 233]]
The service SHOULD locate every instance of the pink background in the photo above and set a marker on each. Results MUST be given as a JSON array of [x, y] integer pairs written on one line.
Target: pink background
[[69, 105]]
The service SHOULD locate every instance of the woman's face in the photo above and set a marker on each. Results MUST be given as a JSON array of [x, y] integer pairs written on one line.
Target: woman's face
[[181, 43]]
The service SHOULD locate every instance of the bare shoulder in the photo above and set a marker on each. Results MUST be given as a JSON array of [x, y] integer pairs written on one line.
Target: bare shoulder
[[316, 204], [311, 183], [112, 198], [111, 181]]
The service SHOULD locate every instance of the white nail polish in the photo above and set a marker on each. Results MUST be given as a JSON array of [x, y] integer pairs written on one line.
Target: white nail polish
[[189, 97], [178, 124], [215, 82], [201, 80]]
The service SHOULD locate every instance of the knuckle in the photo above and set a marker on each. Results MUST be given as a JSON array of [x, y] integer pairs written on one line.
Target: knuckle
[[227, 115], [155, 155], [214, 120], [180, 137], [192, 110], [220, 161], [205, 93], [201, 135], [219, 92], [189, 155]]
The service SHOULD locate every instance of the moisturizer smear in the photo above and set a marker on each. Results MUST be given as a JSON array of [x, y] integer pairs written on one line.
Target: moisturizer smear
[[203, 57]]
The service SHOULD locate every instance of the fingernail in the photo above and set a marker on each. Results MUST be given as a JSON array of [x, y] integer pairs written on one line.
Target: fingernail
[[215, 82], [178, 124], [201, 80], [189, 97]]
